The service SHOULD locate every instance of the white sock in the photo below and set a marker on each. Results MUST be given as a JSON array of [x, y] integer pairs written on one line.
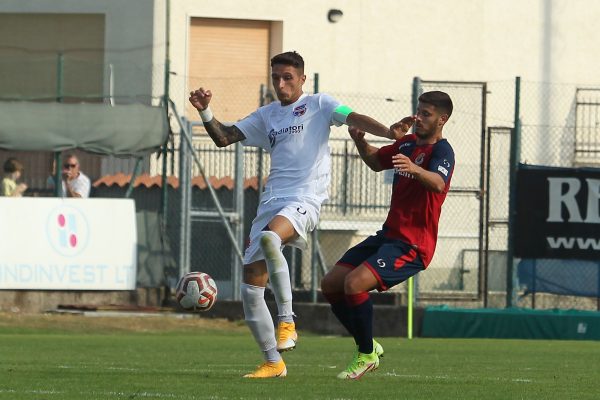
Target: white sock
[[258, 318], [272, 355], [279, 274]]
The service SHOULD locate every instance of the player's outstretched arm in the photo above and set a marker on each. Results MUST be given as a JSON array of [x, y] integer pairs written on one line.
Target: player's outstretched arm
[[367, 152], [222, 135], [368, 124]]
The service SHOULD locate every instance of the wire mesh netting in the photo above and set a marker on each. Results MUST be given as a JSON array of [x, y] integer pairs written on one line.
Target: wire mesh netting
[[560, 126]]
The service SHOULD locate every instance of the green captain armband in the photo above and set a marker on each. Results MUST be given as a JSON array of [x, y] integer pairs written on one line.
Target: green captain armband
[[340, 114]]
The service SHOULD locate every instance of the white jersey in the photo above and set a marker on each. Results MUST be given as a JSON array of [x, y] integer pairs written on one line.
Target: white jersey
[[81, 185], [296, 136]]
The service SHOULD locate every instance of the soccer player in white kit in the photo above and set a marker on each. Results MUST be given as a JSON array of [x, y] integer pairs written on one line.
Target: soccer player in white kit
[[295, 132]]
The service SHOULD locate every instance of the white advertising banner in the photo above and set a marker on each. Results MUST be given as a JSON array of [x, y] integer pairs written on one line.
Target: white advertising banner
[[67, 244]]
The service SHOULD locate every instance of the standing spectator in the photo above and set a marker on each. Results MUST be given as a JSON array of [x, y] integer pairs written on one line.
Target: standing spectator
[[13, 169], [75, 183]]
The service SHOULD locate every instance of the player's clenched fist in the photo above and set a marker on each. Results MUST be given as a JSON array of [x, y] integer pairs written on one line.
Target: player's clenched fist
[[355, 133], [200, 98]]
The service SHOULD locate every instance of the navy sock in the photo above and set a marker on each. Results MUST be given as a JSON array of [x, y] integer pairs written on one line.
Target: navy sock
[[343, 314], [361, 307], [341, 310]]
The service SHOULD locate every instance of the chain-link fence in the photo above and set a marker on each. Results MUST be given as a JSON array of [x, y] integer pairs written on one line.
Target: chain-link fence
[[470, 264], [559, 127]]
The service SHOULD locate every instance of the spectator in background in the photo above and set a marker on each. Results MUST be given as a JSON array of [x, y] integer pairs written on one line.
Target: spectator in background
[[13, 169], [75, 183]]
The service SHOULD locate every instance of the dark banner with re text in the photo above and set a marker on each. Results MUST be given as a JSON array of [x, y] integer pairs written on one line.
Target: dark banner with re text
[[558, 213]]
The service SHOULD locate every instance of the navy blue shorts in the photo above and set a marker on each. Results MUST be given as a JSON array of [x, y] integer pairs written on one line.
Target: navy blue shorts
[[392, 261]]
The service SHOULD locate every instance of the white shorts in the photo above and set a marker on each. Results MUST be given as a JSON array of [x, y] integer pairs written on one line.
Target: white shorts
[[302, 212]]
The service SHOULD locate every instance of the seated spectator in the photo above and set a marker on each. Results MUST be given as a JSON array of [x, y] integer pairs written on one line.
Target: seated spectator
[[74, 182], [13, 169]]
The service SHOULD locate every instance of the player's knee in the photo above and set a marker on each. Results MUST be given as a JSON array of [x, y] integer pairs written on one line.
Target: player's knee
[[328, 284], [250, 294], [333, 281], [255, 274], [352, 284], [270, 243], [333, 297]]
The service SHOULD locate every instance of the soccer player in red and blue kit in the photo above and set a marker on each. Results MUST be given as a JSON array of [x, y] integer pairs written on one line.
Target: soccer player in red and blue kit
[[423, 164]]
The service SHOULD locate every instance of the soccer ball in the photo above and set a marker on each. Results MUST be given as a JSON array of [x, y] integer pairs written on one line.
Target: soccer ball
[[196, 291]]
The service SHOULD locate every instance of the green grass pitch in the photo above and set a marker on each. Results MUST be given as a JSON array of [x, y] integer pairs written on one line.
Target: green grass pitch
[[75, 357]]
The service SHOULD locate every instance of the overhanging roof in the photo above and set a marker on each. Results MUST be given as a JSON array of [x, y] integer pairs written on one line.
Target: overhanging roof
[[119, 130]]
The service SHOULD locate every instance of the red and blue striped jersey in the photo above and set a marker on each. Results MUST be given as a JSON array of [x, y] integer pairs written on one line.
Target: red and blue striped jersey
[[415, 211]]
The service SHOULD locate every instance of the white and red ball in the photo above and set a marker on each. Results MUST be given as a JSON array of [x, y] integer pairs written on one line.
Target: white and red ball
[[196, 291]]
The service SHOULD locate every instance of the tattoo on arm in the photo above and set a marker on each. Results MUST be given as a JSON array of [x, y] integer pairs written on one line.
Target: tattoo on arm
[[223, 135]]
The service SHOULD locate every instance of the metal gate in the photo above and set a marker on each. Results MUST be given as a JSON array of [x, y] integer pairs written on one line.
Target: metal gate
[[457, 270], [497, 189]]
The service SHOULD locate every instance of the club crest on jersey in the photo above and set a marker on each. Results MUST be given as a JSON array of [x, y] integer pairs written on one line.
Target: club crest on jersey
[[299, 111], [419, 159]]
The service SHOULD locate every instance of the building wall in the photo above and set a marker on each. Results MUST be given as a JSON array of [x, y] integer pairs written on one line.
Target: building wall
[[379, 45], [129, 36]]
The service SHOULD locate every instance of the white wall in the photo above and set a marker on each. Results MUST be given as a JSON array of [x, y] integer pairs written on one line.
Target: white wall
[[379, 45]]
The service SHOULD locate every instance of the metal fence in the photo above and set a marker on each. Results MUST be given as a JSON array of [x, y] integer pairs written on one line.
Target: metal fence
[[560, 126], [470, 265]]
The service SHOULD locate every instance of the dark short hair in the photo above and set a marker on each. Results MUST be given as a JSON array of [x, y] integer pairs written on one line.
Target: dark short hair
[[440, 100], [13, 165], [289, 58]]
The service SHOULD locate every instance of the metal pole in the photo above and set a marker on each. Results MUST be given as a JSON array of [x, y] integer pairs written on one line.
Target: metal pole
[[164, 150], [136, 173], [184, 218], [409, 295], [314, 254], [239, 224], [58, 190], [189, 193], [261, 152], [515, 141], [345, 178], [416, 92], [482, 276], [488, 179], [314, 257]]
